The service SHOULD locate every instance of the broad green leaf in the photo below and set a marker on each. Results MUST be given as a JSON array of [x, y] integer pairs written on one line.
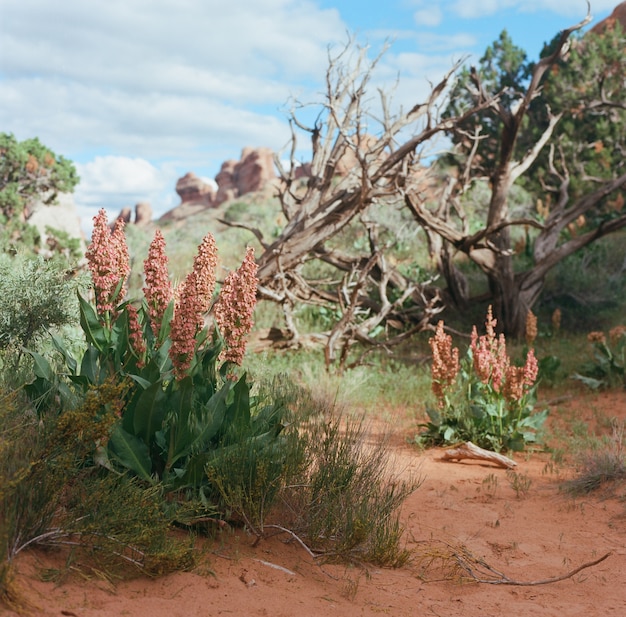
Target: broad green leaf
[[95, 333], [131, 452], [181, 430], [144, 383], [149, 412], [89, 366], [42, 367]]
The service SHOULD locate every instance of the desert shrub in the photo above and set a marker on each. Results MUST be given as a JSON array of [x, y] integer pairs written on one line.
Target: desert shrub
[[485, 398], [344, 502], [35, 297], [328, 483], [53, 491], [602, 465]]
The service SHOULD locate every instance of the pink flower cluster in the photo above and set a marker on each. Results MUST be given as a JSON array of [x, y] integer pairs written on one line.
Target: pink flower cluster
[[157, 290], [492, 363], [445, 365], [193, 300], [186, 323], [135, 334], [520, 378], [108, 261], [234, 309], [489, 354]]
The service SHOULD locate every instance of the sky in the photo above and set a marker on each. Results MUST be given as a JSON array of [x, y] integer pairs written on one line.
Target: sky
[[139, 92]]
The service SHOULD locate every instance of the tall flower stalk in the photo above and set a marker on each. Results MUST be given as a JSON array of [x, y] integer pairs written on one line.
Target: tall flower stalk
[[109, 264], [157, 289], [235, 307]]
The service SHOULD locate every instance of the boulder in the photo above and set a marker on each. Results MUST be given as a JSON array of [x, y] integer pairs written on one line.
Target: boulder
[[61, 215], [194, 190], [143, 213]]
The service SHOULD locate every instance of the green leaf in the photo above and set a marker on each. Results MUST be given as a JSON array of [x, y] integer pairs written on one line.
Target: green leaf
[[95, 333], [182, 437], [130, 452], [144, 383], [89, 366], [70, 361], [590, 382], [149, 412], [42, 367], [239, 408]]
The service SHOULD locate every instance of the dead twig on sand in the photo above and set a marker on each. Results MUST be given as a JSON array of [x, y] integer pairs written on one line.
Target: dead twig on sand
[[472, 451]]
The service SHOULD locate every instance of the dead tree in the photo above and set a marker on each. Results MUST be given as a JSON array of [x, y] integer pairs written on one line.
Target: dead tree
[[369, 291]]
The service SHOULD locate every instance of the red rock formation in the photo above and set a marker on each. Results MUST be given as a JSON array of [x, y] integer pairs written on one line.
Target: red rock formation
[[143, 213], [193, 190], [618, 15], [253, 172]]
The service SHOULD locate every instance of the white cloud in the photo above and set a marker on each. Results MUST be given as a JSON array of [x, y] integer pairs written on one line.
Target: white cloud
[[180, 78], [430, 16], [115, 182]]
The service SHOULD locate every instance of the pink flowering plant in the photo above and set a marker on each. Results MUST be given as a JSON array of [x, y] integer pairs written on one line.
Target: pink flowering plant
[[178, 352], [484, 398]]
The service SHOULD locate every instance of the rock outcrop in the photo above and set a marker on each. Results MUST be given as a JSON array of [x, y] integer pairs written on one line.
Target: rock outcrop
[[253, 172], [143, 215], [617, 16], [194, 190], [61, 215]]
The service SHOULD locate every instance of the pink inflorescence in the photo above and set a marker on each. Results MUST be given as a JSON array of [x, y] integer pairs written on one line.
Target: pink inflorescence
[[489, 354], [492, 363], [445, 364], [234, 309], [205, 266], [186, 324], [158, 287], [135, 334], [109, 263], [193, 300]]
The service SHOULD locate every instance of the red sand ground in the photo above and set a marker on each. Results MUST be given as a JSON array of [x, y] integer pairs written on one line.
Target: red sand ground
[[543, 534]]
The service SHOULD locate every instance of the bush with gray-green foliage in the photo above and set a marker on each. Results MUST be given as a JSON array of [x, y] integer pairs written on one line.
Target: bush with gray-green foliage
[[36, 296]]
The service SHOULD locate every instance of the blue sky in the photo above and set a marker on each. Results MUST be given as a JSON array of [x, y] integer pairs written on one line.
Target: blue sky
[[139, 92]]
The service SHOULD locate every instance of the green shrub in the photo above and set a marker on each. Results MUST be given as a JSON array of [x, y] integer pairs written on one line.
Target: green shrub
[[35, 297]]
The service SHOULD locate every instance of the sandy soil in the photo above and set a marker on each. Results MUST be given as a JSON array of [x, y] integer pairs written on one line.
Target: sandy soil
[[470, 507]]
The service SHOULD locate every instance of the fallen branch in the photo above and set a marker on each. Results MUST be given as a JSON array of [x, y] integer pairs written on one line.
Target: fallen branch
[[505, 580], [481, 572], [469, 450]]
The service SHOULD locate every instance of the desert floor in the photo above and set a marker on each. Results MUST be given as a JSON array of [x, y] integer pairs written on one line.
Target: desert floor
[[464, 514]]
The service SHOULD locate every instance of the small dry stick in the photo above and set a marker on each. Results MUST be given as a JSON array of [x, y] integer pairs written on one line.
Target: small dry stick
[[469, 450], [505, 580]]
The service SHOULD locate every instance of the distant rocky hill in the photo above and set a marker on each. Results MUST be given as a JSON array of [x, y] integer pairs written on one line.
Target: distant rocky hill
[[251, 173], [617, 16]]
